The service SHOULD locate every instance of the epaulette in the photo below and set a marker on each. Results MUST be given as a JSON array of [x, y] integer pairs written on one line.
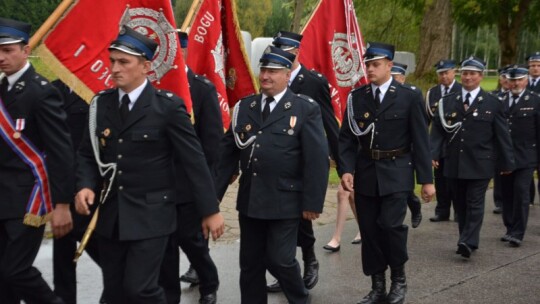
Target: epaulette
[[166, 94], [357, 89], [317, 74], [203, 79], [306, 98], [248, 97], [410, 87], [105, 92]]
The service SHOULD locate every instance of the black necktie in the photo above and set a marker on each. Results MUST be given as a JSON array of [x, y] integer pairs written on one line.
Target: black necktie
[[124, 108], [446, 89], [3, 87], [266, 110], [467, 102], [513, 101], [377, 98]]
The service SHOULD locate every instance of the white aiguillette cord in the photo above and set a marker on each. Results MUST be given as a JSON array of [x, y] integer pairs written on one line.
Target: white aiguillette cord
[[103, 168]]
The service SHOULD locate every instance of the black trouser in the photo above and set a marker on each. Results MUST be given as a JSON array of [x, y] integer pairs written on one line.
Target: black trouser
[[516, 201], [443, 194], [497, 190], [19, 246], [64, 270], [469, 201], [306, 237], [190, 238], [384, 236], [269, 244], [131, 270]]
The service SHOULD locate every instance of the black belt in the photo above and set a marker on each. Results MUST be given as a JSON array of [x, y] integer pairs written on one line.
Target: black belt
[[385, 154]]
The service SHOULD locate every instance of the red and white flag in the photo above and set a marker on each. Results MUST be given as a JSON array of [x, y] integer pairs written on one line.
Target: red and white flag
[[333, 31], [216, 50], [77, 48]]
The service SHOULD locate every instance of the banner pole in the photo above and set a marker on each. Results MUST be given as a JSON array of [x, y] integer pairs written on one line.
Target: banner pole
[[49, 23], [193, 10]]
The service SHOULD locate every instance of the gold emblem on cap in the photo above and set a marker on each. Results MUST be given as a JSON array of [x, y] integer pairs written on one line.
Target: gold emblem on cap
[[17, 135], [248, 127], [366, 115], [106, 132]]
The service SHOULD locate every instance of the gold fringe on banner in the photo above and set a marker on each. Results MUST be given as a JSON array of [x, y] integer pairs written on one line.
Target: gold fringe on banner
[[64, 73], [35, 220]]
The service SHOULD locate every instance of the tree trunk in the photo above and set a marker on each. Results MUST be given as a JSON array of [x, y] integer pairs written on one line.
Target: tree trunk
[[509, 27], [297, 18], [435, 36]]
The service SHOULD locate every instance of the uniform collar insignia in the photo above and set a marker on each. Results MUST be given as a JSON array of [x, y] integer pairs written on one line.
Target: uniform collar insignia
[[253, 104], [526, 97], [169, 94], [287, 105], [480, 98], [20, 85], [458, 97]]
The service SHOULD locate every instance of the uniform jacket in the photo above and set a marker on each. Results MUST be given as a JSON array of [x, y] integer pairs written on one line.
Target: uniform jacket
[[208, 127], [434, 95], [482, 139], [399, 124], [287, 172], [143, 199], [524, 123], [535, 89], [315, 85], [35, 100]]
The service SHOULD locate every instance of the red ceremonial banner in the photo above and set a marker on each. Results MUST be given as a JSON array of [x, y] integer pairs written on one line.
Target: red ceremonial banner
[[77, 48], [334, 33], [216, 50]]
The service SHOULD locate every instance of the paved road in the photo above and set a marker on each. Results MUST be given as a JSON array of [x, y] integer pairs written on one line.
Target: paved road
[[496, 273]]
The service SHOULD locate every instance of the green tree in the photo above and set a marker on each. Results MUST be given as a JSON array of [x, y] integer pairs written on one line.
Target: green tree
[[511, 17], [34, 12]]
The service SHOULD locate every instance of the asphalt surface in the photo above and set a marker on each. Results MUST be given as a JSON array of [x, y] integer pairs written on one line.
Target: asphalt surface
[[495, 273]]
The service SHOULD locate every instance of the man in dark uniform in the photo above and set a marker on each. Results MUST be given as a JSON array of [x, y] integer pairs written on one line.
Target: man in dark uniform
[[209, 129], [278, 137], [398, 72], [533, 85], [504, 86], [446, 75], [33, 124], [523, 114], [383, 142], [471, 135], [313, 84], [64, 270], [140, 131]]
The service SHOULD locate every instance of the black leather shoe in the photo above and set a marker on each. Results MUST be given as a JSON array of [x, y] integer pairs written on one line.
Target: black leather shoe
[[505, 238], [190, 276], [398, 289], [210, 298], [274, 287], [377, 295], [497, 210], [514, 242], [416, 210], [464, 250], [311, 267], [331, 248], [438, 218]]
